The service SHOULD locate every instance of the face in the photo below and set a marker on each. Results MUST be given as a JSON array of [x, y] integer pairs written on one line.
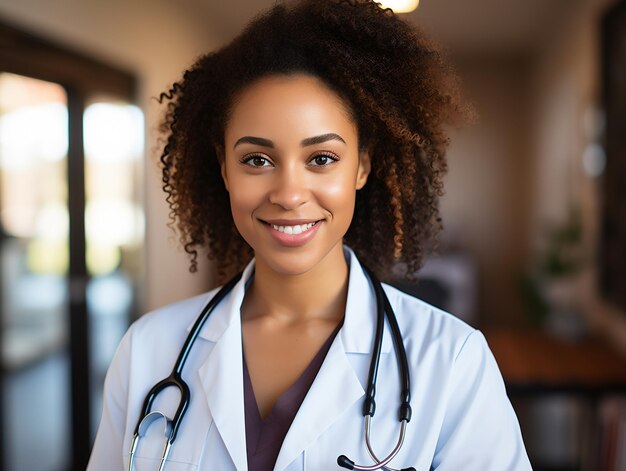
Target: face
[[291, 166]]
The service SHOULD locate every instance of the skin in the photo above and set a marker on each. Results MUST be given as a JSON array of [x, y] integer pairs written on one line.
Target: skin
[[298, 294]]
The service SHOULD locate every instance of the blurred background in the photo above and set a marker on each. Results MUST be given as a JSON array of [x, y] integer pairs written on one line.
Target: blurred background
[[533, 251]]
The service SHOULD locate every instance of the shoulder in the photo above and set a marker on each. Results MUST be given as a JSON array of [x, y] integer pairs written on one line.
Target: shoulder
[[154, 339], [430, 328], [166, 326], [174, 317], [417, 318]]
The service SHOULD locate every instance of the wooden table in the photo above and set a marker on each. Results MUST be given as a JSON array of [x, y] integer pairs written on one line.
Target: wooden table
[[535, 364], [533, 361]]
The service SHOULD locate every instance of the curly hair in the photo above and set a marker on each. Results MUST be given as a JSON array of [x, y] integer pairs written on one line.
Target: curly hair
[[401, 93]]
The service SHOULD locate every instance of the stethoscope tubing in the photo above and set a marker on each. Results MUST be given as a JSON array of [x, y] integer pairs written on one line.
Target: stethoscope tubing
[[175, 378], [383, 308]]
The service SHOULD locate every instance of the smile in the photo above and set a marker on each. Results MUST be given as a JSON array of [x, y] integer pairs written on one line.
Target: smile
[[293, 235], [297, 229]]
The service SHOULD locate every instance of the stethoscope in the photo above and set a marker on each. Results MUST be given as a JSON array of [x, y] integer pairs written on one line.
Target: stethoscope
[[369, 405]]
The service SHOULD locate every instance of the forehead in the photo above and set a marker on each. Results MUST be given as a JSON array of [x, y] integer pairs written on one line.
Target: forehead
[[295, 106]]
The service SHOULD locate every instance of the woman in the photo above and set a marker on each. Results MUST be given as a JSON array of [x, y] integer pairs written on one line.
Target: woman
[[322, 123]]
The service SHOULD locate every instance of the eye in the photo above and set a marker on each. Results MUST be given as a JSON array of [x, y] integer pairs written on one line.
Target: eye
[[323, 160], [256, 161]]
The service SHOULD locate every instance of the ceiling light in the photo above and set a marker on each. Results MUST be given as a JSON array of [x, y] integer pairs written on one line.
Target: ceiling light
[[399, 6]]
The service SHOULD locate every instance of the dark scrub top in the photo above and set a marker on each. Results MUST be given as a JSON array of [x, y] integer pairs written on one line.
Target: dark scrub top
[[265, 437]]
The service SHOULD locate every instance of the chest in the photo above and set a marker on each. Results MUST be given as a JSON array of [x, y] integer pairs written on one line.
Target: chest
[[277, 358], [329, 422], [208, 442]]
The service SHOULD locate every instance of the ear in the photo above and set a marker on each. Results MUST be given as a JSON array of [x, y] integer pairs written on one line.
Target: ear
[[221, 158], [365, 166]]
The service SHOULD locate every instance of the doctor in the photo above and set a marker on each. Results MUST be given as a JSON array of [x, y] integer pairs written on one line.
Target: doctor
[[294, 153]]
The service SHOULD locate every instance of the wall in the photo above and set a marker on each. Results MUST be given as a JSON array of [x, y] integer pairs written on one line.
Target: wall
[[485, 209], [156, 43]]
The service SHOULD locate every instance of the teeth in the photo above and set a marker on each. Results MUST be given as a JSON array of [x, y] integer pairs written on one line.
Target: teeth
[[298, 229]]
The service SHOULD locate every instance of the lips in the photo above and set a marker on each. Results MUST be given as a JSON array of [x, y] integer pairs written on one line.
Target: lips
[[293, 232]]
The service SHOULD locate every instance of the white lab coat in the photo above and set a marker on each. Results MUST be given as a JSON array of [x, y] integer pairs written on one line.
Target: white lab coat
[[462, 418]]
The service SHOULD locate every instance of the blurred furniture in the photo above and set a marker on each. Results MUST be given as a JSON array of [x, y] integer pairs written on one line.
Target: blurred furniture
[[533, 361], [535, 365], [448, 282]]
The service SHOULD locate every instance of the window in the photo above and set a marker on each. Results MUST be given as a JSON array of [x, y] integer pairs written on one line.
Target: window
[[71, 237]]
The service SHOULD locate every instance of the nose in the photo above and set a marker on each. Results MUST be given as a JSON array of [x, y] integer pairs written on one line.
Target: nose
[[290, 187]]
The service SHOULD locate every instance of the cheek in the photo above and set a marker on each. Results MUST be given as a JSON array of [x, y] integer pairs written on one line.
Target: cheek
[[244, 199], [338, 196]]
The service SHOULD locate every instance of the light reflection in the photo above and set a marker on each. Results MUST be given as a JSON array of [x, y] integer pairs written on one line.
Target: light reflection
[[47, 257], [33, 134], [52, 222], [399, 6], [102, 259], [33, 190], [113, 132], [594, 160], [113, 139], [111, 222]]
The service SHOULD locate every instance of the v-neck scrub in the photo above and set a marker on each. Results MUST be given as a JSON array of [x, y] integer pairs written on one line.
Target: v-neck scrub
[[264, 437]]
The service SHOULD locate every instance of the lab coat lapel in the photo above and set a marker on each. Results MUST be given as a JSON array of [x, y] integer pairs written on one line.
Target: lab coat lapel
[[221, 376], [222, 372], [337, 385], [335, 389]]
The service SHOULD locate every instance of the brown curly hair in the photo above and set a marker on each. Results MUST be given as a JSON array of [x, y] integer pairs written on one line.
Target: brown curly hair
[[400, 91]]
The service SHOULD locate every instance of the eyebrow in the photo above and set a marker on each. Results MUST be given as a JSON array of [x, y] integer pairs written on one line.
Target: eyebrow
[[309, 141]]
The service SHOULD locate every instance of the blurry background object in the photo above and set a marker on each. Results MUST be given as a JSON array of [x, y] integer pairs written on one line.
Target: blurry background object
[[400, 6], [551, 291], [613, 247], [34, 223], [533, 215], [71, 238], [613, 432], [448, 281]]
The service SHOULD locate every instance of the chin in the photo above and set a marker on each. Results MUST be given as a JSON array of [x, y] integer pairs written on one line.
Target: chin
[[294, 262]]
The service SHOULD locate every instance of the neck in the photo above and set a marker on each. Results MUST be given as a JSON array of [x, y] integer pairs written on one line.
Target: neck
[[318, 294]]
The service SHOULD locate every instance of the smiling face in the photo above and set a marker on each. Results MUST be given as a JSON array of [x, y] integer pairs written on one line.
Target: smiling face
[[291, 166]]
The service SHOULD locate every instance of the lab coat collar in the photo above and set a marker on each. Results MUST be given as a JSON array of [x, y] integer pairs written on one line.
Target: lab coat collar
[[335, 388], [359, 324], [228, 311]]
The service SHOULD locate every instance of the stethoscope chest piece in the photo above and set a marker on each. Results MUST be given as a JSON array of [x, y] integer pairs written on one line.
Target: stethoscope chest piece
[[150, 419]]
